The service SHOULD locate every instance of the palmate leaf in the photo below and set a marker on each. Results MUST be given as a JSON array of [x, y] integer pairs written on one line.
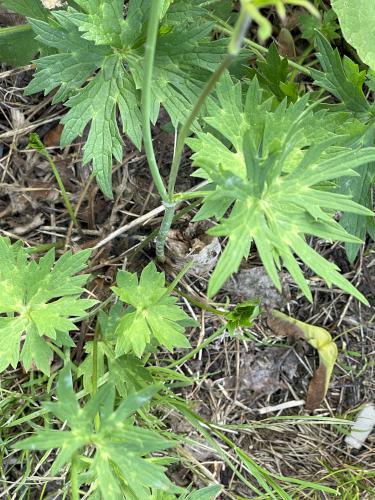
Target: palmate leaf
[[154, 315], [40, 299], [274, 178], [95, 40], [127, 372], [120, 460]]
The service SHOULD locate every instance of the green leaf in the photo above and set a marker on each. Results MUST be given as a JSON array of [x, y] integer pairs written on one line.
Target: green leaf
[[127, 373], [357, 21], [337, 79], [93, 41], [28, 8], [154, 314], [119, 449], [44, 297], [273, 74], [327, 25], [360, 189], [243, 315], [17, 45], [209, 493], [268, 155]]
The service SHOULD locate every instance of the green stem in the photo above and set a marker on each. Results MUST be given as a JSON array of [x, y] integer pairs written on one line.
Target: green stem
[[74, 477], [36, 143], [170, 209], [195, 351], [185, 130], [152, 32], [95, 369], [235, 44]]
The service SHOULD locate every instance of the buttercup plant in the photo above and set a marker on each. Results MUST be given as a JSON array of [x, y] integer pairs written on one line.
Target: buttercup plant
[[279, 165]]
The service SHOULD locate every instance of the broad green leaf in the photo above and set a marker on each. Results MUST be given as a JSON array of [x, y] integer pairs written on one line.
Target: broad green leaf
[[44, 296], [268, 155], [17, 45], [327, 25], [154, 315], [321, 340], [28, 8], [93, 42], [209, 493], [357, 19]]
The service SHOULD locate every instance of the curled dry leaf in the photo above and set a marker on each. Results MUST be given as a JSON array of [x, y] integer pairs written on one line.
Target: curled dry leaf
[[321, 340], [194, 244]]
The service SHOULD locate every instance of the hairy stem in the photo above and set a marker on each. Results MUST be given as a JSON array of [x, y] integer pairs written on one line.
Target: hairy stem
[[170, 209], [234, 48], [152, 32]]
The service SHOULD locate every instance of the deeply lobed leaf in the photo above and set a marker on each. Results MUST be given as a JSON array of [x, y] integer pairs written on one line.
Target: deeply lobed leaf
[[153, 316], [95, 40], [273, 170], [41, 299], [119, 461]]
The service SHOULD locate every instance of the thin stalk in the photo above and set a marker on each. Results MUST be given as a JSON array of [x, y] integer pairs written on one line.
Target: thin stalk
[[95, 369], [185, 130], [166, 224], [234, 48], [195, 351], [152, 32], [74, 477], [44, 247], [36, 143]]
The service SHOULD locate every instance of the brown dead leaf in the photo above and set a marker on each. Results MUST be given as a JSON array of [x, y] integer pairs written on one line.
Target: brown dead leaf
[[286, 44], [316, 390], [26, 228], [321, 340], [52, 137]]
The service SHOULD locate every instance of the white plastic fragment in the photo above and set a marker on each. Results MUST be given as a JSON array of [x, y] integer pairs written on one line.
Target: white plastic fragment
[[52, 4], [362, 427]]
